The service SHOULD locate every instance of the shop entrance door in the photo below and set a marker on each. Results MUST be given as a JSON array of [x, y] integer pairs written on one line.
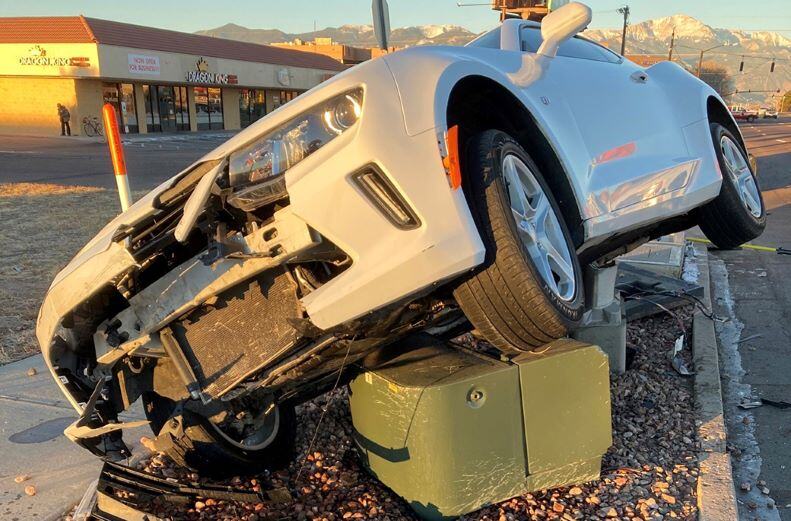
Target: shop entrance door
[[167, 108], [122, 97]]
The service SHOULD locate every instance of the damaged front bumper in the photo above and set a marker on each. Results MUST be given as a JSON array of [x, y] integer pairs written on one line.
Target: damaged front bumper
[[126, 494], [138, 328]]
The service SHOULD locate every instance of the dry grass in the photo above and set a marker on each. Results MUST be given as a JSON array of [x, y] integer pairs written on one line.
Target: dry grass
[[42, 229], [23, 189]]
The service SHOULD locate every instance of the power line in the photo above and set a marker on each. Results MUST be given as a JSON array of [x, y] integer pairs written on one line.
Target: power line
[[756, 56]]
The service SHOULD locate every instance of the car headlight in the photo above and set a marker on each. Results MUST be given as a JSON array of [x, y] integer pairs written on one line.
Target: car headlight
[[256, 171]]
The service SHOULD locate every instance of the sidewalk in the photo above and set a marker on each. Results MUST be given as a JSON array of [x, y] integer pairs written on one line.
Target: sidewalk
[[33, 414], [220, 135], [205, 135]]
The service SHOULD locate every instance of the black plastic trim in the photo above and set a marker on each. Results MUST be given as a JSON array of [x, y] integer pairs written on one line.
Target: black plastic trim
[[392, 191]]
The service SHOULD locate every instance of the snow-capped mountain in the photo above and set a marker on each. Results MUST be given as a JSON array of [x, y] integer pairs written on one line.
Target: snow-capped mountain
[[649, 37], [359, 35], [656, 34], [756, 48]]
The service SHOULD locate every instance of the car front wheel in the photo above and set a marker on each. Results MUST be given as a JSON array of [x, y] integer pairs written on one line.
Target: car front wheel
[[737, 215], [248, 441], [529, 289]]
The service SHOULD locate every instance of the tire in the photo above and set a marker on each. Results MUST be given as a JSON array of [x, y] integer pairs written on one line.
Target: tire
[[192, 441], [508, 300], [728, 221], [87, 129]]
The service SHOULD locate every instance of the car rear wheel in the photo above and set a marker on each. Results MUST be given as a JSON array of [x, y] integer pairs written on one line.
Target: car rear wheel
[[216, 448], [529, 289], [737, 215]]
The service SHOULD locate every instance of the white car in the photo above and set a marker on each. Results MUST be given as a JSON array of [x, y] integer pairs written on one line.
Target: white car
[[436, 189], [767, 113]]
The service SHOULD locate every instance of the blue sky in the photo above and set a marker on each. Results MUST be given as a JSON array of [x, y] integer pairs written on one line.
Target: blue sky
[[299, 15]]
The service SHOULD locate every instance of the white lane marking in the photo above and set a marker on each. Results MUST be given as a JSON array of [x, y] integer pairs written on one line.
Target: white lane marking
[[18, 152]]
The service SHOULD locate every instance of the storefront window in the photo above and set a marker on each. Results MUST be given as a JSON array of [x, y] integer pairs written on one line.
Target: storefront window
[[128, 109], [152, 108], [208, 108], [122, 97], [182, 108], [215, 109], [252, 106], [283, 97], [167, 109]]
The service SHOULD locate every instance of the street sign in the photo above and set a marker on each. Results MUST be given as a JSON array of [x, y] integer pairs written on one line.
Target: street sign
[[381, 15]]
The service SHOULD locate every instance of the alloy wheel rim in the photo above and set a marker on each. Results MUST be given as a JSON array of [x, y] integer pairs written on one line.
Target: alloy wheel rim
[[739, 171], [539, 229]]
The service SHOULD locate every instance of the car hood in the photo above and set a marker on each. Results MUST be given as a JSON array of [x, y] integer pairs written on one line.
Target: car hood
[[146, 206]]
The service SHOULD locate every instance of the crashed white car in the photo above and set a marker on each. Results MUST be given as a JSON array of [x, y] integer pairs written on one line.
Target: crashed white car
[[439, 189]]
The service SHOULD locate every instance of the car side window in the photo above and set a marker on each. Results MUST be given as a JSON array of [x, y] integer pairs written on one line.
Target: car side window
[[576, 47]]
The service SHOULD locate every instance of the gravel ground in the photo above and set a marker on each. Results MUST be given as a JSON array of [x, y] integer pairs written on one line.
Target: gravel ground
[[649, 473], [43, 227]]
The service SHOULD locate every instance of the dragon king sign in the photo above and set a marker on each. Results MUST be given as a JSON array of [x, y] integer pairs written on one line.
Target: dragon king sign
[[38, 56], [202, 75]]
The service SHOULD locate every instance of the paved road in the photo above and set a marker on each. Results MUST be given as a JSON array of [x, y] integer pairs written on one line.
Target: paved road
[[79, 161], [759, 287]]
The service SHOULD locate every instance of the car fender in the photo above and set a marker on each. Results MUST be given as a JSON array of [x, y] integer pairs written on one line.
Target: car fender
[[677, 84], [441, 68]]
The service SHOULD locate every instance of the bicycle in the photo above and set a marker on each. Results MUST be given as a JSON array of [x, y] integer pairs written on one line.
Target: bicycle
[[91, 126]]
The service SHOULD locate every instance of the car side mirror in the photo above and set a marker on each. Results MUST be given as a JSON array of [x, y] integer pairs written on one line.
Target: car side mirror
[[558, 26]]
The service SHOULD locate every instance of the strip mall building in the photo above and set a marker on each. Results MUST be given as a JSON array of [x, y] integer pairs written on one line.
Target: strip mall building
[[158, 80]]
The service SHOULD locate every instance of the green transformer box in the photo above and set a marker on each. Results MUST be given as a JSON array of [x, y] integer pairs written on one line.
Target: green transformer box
[[452, 430]]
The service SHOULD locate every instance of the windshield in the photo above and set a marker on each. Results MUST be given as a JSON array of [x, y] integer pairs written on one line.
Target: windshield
[[576, 47]]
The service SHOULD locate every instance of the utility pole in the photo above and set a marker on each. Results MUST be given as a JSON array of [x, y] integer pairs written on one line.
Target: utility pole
[[672, 42], [625, 12], [381, 16], [700, 62]]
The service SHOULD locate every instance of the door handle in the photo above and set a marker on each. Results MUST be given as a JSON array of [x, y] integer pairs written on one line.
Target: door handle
[[639, 77]]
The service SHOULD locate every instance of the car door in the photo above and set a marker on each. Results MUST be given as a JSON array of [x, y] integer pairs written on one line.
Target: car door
[[635, 148]]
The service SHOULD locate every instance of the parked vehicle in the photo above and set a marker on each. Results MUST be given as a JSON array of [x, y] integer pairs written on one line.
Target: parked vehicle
[[768, 113], [742, 114], [384, 202]]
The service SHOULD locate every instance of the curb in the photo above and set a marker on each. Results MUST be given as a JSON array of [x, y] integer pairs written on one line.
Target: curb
[[715, 489]]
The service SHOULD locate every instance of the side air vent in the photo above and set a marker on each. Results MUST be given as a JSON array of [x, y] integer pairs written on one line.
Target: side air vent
[[378, 189]]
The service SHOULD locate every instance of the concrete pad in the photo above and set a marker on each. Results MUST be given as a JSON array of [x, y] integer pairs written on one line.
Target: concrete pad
[[33, 414], [664, 255]]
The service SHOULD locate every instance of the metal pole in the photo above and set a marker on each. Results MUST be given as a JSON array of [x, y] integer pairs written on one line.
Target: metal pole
[[672, 42], [117, 155], [625, 12], [700, 63], [381, 16]]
